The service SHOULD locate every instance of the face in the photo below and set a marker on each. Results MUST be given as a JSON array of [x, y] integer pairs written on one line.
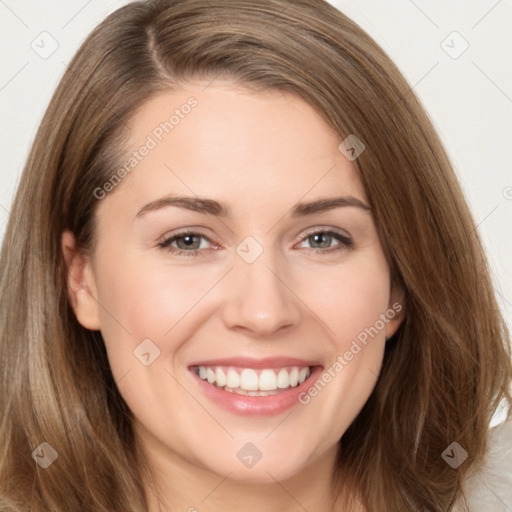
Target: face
[[245, 326]]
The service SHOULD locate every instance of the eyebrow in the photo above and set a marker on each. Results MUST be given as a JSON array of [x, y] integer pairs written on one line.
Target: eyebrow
[[211, 207]]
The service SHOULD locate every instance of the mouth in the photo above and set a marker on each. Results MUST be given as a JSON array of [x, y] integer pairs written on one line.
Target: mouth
[[255, 387], [251, 381]]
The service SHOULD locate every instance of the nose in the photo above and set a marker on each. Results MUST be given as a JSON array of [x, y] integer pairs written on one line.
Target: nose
[[260, 300]]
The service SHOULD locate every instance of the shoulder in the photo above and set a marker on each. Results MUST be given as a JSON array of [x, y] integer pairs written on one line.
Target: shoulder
[[490, 490]]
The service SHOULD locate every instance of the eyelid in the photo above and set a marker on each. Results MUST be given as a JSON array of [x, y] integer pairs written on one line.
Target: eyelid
[[325, 229], [165, 242], [345, 240], [184, 232]]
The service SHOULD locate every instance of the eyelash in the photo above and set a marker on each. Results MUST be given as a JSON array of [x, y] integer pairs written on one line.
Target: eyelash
[[346, 242]]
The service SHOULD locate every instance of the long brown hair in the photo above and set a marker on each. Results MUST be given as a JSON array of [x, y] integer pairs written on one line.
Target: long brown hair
[[444, 371]]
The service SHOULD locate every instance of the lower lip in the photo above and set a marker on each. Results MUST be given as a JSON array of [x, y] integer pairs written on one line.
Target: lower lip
[[257, 405]]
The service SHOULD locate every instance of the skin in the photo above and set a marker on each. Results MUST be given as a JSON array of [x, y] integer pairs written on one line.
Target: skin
[[260, 154]]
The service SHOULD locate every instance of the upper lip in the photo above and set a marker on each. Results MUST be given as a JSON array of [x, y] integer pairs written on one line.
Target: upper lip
[[248, 362]]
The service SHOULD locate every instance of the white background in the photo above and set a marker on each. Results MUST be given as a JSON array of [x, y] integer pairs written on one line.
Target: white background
[[469, 98]]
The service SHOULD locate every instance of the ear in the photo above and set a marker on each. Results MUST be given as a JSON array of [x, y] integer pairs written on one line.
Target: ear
[[396, 310], [82, 289]]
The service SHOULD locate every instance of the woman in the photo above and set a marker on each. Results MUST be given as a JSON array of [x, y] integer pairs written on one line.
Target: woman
[[171, 340]]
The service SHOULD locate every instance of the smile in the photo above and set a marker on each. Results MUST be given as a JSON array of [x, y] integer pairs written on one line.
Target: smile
[[253, 382], [256, 387]]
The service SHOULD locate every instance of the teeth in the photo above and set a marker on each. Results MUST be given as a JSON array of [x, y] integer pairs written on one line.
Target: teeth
[[268, 380], [241, 391], [303, 375], [283, 379], [220, 377], [294, 377], [210, 375], [233, 380], [248, 382]]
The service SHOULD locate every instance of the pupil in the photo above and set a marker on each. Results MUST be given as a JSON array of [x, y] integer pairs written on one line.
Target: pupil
[[188, 240], [318, 238]]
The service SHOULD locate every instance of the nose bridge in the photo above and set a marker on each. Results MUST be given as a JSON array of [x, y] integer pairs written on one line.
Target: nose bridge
[[260, 299]]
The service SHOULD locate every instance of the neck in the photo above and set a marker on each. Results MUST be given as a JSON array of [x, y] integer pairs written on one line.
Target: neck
[[179, 484]]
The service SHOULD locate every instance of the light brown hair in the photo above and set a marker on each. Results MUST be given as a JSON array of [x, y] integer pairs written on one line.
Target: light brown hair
[[444, 370]]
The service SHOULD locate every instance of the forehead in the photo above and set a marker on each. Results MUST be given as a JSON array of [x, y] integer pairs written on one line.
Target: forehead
[[250, 150]]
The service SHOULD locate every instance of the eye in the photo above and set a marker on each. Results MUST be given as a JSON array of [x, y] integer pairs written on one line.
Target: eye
[[188, 242], [323, 239]]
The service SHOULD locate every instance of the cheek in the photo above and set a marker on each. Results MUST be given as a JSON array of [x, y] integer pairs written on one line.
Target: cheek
[[141, 300], [350, 298], [351, 303], [147, 300]]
